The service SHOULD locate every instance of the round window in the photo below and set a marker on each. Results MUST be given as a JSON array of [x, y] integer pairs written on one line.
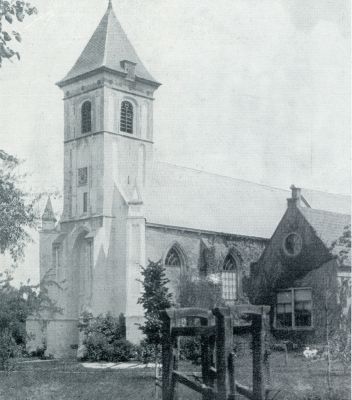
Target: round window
[[292, 244]]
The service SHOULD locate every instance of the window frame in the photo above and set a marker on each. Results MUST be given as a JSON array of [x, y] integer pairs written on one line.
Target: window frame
[[124, 118], [234, 278], [84, 118], [293, 317], [179, 256]]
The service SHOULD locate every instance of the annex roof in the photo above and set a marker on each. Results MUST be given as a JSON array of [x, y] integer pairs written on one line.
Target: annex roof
[[188, 198], [107, 48], [329, 227]]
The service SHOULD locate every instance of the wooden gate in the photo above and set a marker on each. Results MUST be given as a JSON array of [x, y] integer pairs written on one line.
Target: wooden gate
[[216, 330]]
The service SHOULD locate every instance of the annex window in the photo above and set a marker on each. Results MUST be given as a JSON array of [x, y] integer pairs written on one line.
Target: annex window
[[294, 308], [126, 117], [229, 278], [85, 202], [82, 176], [173, 258], [86, 117]]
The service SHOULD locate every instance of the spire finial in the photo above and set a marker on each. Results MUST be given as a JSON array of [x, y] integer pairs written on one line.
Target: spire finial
[[110, 5]]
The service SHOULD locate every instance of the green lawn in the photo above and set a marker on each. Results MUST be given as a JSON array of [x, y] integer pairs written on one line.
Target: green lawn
[[69, 380]]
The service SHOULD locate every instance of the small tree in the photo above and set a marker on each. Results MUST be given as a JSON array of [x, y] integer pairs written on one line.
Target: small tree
[[155, 297]]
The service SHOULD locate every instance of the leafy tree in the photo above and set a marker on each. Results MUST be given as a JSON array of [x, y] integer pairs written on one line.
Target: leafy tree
[[17, 304], [17, 212], [155, 297], [9, 11]]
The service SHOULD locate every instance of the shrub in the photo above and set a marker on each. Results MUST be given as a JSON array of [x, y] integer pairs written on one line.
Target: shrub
[[190, 349], [9, 350], [105, 339], [146, 352]]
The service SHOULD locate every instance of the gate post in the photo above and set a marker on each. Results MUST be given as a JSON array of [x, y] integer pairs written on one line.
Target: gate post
[[224, 346], [167, 355], [258, 335]]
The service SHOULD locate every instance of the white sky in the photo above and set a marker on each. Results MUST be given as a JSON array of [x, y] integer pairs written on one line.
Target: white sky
[[256, 89]]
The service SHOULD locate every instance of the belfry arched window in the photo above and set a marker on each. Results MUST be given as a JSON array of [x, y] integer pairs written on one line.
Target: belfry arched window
[[126, 117], [86, 117], [229, 278], [173, 258]]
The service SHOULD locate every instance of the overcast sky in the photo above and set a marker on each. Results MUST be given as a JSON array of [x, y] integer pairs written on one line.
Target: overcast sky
[[255, 89]]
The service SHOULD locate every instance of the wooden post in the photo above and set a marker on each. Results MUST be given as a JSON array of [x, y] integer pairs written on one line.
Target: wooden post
[[258, 335], [224, 345], [231, 369], [204, 345], [167, 356]]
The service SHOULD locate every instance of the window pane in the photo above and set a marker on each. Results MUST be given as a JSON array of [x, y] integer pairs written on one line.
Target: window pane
[[283, 320], [303, 307], [284, 296], [229, 285], [303, 294]]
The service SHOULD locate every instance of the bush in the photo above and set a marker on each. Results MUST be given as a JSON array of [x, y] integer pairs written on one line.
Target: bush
[[146, 352], [190, 349], [9, 350], [105, 339]]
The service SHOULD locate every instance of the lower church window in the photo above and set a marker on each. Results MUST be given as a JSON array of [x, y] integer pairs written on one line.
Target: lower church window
[[294, 308], [229, 279]]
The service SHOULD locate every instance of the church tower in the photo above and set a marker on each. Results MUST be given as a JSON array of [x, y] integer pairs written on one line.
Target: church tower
[[96, 250]]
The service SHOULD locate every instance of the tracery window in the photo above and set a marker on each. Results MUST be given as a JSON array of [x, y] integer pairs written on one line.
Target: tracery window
[[173, 258], [86, 117], [229, 278], [126, 117]]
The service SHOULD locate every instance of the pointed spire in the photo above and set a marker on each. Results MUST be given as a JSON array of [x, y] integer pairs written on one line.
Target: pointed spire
[[48, 214], [107, 49]]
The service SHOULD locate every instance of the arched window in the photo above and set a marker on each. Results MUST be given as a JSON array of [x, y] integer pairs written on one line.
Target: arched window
[[173, 258], [126, 118], [86, 117], [229, 278]]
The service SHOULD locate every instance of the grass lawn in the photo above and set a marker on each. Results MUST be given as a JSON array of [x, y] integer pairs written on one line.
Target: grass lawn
[[69, 380]]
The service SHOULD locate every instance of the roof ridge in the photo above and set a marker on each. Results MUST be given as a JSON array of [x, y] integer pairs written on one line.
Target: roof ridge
[[224, 176], [107, 15]]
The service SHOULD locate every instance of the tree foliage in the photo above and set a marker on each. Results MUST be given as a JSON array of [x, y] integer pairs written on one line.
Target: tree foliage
[[9, 12], [155, 297], [17, 304], [17, 212]]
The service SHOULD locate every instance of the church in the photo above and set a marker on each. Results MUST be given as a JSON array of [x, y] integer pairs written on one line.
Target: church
[[123, 208]]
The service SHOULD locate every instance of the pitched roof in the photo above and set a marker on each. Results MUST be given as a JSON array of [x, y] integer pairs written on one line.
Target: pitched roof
[[337, 203], [188, 198], [107, 47], [328, 226]]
